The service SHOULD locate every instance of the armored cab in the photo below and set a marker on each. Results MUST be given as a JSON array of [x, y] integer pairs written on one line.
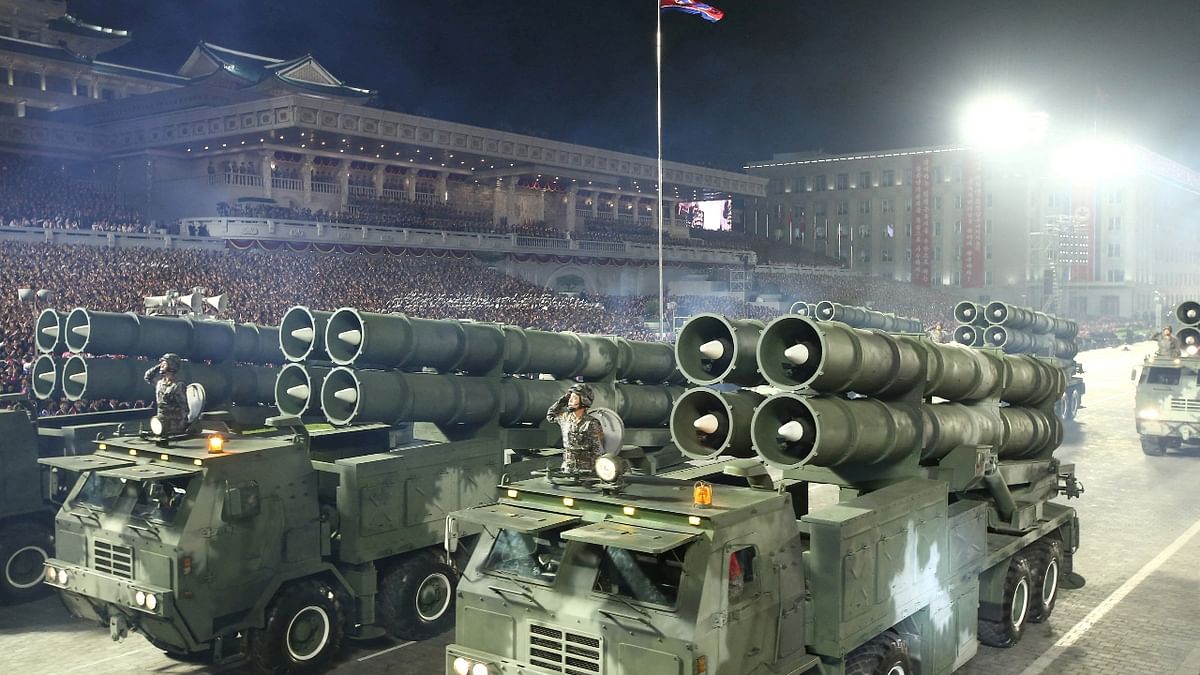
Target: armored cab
[[1167, 396], [945, 533]]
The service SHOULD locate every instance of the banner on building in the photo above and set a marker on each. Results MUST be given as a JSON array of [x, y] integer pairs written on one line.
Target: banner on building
[[973, 258], [922, 220], [1082, 233]]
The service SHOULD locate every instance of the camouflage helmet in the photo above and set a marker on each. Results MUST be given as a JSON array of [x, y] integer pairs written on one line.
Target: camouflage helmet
[[586, 395], [172, 360]]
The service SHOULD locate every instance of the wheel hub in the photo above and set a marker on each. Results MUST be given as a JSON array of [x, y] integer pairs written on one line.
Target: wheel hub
[[308, 633], [433, 597], [26, 567]]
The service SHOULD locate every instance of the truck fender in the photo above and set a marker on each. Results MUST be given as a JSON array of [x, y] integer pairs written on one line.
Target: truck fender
[[255, 617]]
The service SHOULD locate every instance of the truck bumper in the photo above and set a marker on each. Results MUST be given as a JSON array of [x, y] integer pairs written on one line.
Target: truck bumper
[[1187, 431], [100, 597]]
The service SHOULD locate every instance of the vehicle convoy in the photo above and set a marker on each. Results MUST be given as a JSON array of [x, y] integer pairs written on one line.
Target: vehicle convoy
[[1167, 397], [1021, 330], [944, 535], [275, 538]]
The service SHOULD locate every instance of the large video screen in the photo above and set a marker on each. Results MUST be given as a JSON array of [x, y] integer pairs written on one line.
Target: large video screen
[[715, 214]]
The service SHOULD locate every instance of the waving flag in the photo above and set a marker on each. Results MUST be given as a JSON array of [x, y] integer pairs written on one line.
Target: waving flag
[[706, 12]]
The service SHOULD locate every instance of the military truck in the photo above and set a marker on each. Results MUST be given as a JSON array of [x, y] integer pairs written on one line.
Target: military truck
[[943, 534], [1022, 330], [1167, 396], [277, 541]]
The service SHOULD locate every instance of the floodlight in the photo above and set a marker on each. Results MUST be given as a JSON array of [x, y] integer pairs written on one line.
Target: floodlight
[[1001, 122]]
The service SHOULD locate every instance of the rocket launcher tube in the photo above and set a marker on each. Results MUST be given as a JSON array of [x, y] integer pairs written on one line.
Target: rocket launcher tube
[[804, 309], [1031, 382], [734, 363], [968, 335], [130, 334], [46, 375], [832, 431], [1028, 433], [950, 425], [706, 423], [302, 334], [861, 317], [1188, 313], [834, 357], [48, 334], [298, 389], [971, 313], [124, 379]]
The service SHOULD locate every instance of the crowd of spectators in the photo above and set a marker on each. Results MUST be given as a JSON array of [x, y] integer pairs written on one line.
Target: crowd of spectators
[[40, 193]]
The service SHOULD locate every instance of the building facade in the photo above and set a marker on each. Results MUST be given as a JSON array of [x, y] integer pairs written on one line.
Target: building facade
[[998, 227]]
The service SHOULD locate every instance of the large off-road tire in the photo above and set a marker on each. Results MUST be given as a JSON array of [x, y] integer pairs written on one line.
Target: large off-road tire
[[303, 631], [416, 598], [1154, 446], [1018, 589], [1045, 559], [886, 654], [1073, 403], [24, 549], [175, 654]]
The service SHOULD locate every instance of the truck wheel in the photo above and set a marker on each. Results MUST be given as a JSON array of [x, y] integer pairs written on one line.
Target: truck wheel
[[1046, 559], [416, 598], [1154, 446], [1017, 584], [886, 654], [1072, 404], [24, 550], [304, 628]]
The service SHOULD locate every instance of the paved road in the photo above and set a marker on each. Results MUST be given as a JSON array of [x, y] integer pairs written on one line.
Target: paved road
[[1138, 614]]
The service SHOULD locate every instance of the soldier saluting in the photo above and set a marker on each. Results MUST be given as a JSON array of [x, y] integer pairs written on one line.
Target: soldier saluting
[[170, 394], [1168, 345], [583, 437]]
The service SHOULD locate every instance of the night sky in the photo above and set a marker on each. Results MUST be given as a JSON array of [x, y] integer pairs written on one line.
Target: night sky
[[773, 76]]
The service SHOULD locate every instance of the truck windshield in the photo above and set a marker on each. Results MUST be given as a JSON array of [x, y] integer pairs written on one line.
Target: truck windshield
[[101, 492], [529, 555], [159, 500], [1167, 376], [643, 577], [152, 500]]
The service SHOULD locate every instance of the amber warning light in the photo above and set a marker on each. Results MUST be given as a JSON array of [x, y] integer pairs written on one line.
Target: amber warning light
[[702, 494]]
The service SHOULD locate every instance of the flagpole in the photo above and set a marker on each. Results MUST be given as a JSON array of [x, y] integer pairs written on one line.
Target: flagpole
[[662, 310]]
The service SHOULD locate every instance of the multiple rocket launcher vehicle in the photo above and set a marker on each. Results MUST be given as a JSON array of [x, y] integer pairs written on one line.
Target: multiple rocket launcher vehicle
[[823, 402]]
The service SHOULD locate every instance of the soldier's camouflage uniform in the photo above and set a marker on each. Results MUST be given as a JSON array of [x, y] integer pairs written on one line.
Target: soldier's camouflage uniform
[[171, 398], [1168, 345], [583, 438]]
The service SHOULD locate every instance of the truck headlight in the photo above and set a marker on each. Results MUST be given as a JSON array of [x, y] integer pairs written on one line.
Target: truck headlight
[[1148, 414], [62, 577], [609, 468], [139, 598], [156, 426], [151, 601], [51, 575], [481, 669], [462, 666]]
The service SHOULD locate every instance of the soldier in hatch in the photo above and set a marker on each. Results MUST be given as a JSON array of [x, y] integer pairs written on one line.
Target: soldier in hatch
[[583, 438], [170, 394], [1168, 345]]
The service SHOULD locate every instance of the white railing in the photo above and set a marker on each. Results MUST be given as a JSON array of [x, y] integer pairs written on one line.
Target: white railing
[[395, 193], [271, 229], [287, 184], [243, 179], [362, 190], [326, 188]]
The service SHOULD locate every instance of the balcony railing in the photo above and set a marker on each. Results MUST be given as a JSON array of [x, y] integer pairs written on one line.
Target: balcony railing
[[287, 184], [326, 188]]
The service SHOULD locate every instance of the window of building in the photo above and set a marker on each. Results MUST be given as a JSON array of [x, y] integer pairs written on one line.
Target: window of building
[[864, 206], [843, 181], [987, 251], [890, 230], [937, 253], [937, 203], [908, 205], [864, 179], [987, 226], [60, 85], [1114, 196], [907, 176], [819, 182], [958, 201], [908, 229], [937, 174], [819, 208], [885, 255], [987, 278], [885, 205], [843, 208], [889, 178], [937, 228], [958, 227], [908, 255], [108, 94], [801, 183], [24, 78], [1114, 222], [989, 199], [82, 89], [864, 231]]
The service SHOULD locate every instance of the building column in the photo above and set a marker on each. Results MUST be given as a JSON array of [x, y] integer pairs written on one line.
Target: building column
[[443, 193], [306, 178], [344, 183], [497, 198], [377, 180], [410, 184], [511, 187], [572, 197], [595, 204], [267, 163], [42, 79]]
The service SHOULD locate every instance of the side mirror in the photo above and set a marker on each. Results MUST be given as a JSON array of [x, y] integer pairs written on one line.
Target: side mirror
[[451, 535], [241, 502]]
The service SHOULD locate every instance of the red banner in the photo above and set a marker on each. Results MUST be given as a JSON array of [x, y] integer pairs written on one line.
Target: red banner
[[972, 223], [1082, 234], [922, 220]]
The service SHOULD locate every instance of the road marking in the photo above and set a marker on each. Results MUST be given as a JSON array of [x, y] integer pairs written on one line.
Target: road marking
[[389, 649], [110, 658], [1072, 636]]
